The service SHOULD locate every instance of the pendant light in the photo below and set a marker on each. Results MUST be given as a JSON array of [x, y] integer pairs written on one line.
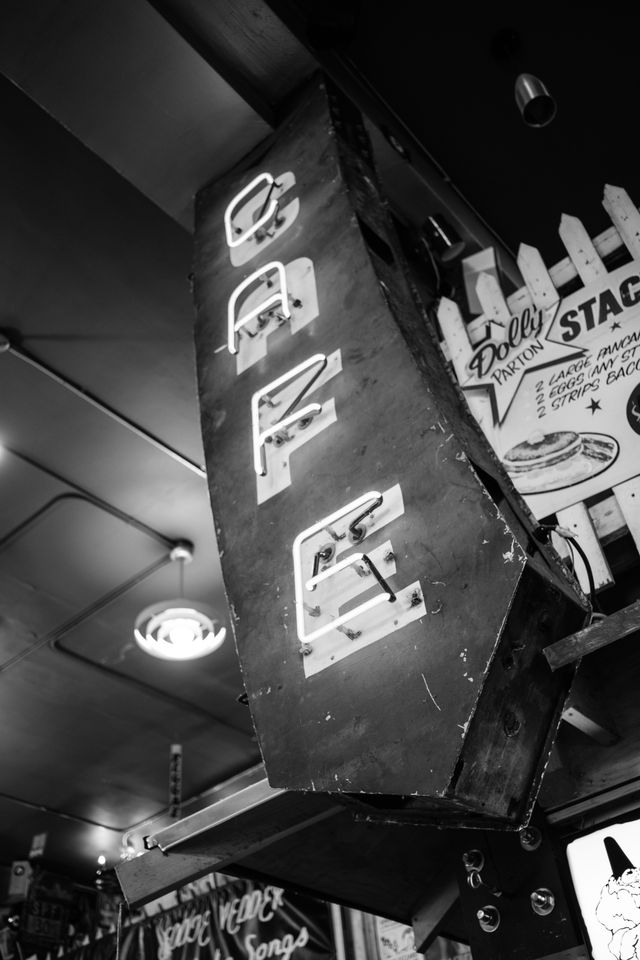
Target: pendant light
[[179, 629], [442, 238], [536, 105]]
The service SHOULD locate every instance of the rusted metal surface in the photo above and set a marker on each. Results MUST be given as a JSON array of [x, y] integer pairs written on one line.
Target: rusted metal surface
[[515, 880]]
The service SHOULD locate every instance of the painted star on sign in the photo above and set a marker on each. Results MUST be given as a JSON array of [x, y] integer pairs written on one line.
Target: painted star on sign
[[594, 405], [500, 365]]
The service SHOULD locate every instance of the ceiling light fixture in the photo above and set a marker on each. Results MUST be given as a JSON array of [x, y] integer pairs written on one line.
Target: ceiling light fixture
[[177, 629], [535, 103], [442, 238]]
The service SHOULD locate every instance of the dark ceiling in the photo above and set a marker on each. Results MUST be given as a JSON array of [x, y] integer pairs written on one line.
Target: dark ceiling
[[110, 123], [113, 115]]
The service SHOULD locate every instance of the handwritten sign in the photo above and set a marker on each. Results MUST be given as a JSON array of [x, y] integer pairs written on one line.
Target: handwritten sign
[[240, 921]]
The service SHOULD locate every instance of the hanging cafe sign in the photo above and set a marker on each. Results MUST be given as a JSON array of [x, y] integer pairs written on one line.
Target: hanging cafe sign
[[564, 385], [369, 575]]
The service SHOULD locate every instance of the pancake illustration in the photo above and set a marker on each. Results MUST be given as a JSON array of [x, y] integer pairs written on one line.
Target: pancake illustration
[[542, 450], [619, 905], [551, 461]]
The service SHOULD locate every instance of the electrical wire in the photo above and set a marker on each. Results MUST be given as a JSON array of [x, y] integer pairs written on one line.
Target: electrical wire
[[592, 586], [571, 562], [119, 931], [598, 612], [83, 394], [436, 270]]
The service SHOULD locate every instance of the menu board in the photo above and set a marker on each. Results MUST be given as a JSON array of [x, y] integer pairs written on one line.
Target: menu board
[[552, 371], [565, 389]]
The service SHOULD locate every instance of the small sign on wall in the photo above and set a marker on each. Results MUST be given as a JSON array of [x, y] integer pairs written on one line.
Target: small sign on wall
[[395, 941], [606, 879], [387, 939]]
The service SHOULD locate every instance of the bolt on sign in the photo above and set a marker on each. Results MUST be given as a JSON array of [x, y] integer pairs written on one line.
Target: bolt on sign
[[388, 612], [561, 373]]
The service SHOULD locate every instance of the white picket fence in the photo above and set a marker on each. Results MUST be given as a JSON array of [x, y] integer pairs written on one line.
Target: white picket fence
[[622, 508]]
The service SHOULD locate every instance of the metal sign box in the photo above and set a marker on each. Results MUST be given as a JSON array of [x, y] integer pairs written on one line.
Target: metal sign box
[[388, 600]]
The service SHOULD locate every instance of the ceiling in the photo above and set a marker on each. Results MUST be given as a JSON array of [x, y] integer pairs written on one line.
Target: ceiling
[[110, 123], [113, 115]]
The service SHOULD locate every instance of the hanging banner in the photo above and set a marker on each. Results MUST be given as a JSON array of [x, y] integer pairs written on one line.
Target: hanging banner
[[241, 921]]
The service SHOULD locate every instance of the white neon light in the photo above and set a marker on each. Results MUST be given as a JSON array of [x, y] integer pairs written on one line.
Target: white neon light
[[301, 586], [312, 582], [235, 239], [281, 296], [311, 410]]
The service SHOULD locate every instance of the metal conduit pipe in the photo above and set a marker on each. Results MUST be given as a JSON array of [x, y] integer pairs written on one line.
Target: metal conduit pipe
[[90, 498], [170, 698], [6, 346], [30, 521], [41, 808], [85, 614], [54, 637]]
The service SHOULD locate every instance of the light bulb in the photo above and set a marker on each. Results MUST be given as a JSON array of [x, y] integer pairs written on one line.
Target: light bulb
[[183, 632]]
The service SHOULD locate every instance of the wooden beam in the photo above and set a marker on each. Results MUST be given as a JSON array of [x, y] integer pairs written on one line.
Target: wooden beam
[[614, 627], [442, 893], [229, 67], [585, 710]]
